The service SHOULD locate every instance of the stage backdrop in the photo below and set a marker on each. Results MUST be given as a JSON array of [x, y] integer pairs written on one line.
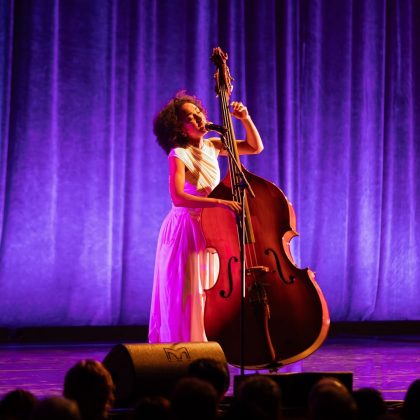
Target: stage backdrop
[[334, 87]]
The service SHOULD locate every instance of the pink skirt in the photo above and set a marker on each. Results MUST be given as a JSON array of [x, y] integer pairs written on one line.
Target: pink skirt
[[183, 270]]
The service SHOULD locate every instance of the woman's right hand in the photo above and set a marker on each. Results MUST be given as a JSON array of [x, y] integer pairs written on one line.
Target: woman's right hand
[[230, 205]]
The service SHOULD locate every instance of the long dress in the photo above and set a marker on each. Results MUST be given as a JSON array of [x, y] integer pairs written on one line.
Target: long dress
[[183, 268]]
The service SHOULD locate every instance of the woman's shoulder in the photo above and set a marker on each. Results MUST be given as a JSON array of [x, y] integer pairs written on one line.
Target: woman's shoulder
[[210, 144], [214, 143], [178, 152]]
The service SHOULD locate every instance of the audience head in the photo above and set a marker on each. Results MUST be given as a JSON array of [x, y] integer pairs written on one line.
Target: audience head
[[258, 397], [213, 371], [17, 404], [329, 399], [370, 404], [56, 408], [90, 385], [411, 406], [152, 408], [192, 399]]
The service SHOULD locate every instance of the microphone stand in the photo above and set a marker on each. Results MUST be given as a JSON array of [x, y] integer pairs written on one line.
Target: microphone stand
[[243, 185]]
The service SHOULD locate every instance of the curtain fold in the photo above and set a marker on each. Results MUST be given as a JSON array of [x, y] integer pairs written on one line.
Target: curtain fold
[[332, 86]]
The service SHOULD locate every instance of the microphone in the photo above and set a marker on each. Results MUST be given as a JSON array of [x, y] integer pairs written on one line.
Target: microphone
[[214, 127]]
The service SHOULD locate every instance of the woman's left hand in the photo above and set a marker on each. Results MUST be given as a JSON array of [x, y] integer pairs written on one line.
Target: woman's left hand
[[239, 110]]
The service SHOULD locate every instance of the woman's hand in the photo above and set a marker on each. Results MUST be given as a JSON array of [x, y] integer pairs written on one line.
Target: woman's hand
[[252, 144], [239, 110], [230, 205]]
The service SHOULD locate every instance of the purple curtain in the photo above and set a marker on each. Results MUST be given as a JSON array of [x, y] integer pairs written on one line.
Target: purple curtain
[[332, 85]]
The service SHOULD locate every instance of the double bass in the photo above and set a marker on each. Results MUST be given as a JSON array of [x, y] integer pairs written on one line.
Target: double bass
[[263, 310]]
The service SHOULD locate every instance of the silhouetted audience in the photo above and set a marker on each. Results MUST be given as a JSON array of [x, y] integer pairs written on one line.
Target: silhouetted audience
[[56, 408], [192, 399], [90, 385], [370, 404], [411, 405], [258, 397], [152, 408], [329, 399], [213, 371], [17, 405], [89, 394]]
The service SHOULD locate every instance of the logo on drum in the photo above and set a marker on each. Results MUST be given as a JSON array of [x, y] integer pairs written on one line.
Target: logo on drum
[[177, 355]]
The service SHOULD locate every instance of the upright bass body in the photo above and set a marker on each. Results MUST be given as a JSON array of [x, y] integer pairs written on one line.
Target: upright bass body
[[285, 314], [263, 310]]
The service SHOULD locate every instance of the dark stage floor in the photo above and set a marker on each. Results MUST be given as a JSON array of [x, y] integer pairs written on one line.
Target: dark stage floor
[[388, 363]]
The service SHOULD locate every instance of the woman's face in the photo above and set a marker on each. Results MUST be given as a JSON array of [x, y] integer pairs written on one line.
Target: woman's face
[[193, 120]]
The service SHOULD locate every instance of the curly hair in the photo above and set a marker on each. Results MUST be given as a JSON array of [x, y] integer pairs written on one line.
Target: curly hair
[[167, 125]]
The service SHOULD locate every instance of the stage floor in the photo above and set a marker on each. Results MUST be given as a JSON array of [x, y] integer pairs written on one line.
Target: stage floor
[[389, 364]]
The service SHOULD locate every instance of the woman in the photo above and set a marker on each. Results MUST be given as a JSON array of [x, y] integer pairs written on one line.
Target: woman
[[181, 267]]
